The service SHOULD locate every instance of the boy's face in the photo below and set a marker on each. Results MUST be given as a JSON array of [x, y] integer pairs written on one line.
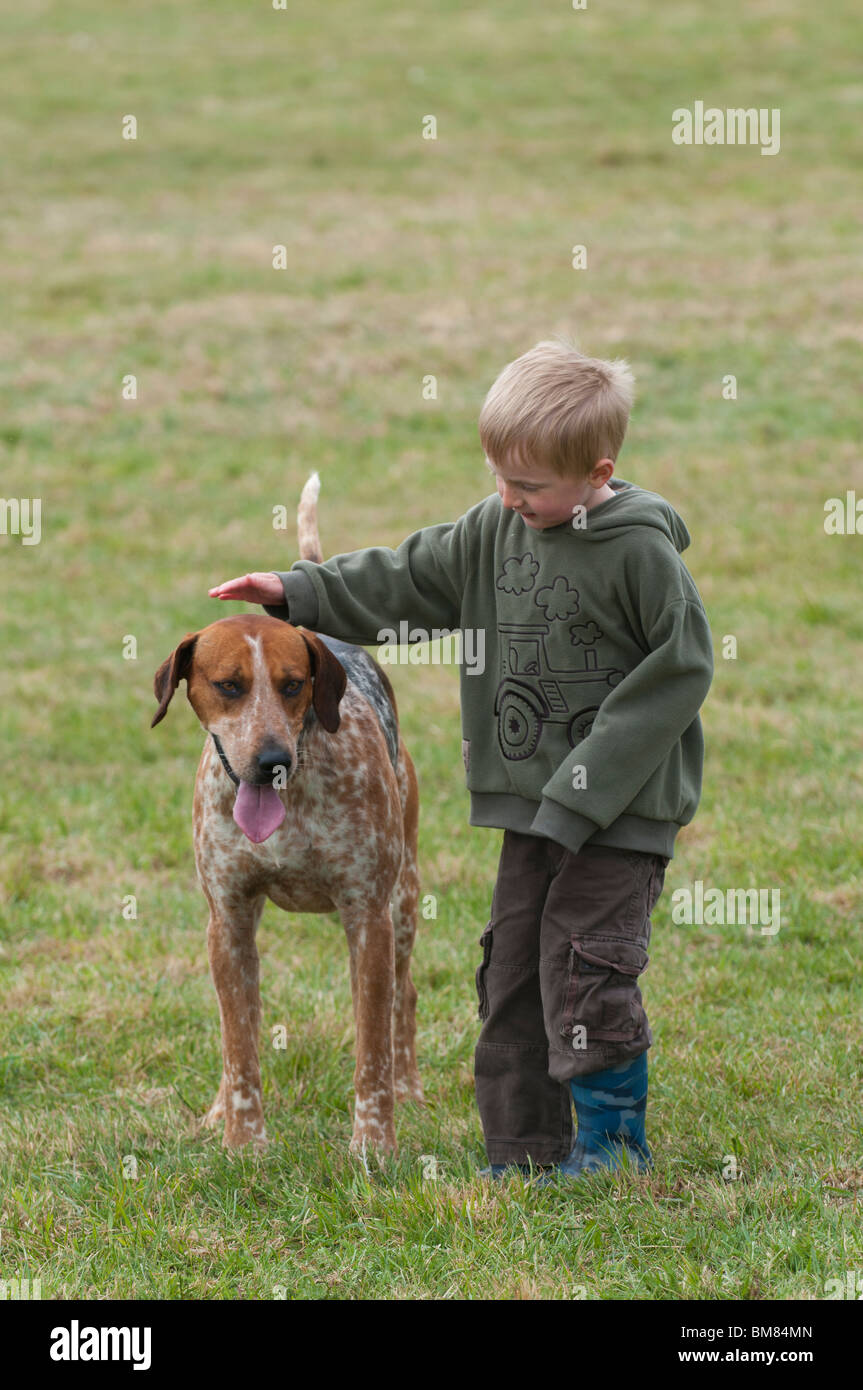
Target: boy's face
[[542, 498]]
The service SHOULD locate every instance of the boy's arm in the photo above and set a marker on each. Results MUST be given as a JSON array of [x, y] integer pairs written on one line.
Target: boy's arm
[[356, 595], [635, 728]]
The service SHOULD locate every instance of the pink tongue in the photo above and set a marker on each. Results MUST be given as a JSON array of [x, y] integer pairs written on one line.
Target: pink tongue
[[258, 811]]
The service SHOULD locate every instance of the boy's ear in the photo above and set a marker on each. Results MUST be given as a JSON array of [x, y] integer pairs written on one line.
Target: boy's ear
[[176, 668]]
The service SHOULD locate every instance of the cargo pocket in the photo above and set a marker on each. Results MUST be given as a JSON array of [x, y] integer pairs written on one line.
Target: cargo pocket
[[602, 994], [481, 991]]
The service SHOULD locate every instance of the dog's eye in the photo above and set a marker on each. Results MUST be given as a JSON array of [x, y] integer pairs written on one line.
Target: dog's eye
[[291, 687], [227, 687]]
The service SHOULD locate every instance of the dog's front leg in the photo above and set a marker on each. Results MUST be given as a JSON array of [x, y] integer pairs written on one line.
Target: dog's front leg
[[234, 966], [370, 938]]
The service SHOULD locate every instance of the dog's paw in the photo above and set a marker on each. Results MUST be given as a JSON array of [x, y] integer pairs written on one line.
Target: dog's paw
[[410, 1088], [365, 1145], [255, 1139]]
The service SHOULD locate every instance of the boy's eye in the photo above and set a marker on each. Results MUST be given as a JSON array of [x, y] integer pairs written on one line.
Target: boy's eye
[[525, 487]]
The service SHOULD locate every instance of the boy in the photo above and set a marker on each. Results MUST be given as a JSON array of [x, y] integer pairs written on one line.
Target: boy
[[582, 740]]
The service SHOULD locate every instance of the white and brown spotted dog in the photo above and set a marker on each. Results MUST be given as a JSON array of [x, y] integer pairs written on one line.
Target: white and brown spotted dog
[[306, 795]]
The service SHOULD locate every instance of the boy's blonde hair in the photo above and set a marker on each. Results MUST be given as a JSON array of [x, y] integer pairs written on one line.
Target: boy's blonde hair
[[557, 408]]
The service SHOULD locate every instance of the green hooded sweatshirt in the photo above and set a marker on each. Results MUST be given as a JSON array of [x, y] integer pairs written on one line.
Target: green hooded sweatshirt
[[585, 657]]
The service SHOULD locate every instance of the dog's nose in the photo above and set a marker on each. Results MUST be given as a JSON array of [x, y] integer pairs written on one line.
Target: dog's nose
[[271, 758]]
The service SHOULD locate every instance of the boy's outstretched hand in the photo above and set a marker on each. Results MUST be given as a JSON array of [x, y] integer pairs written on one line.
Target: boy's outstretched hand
[[251, 588]]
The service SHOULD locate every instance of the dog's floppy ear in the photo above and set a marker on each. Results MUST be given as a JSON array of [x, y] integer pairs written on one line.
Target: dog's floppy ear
[[175, 669], [330, 680]]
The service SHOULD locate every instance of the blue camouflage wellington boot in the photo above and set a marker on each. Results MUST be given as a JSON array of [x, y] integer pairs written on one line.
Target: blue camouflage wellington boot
[[610, 1106]]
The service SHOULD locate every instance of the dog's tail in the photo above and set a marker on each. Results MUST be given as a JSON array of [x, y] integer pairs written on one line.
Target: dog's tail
[[307, 522]]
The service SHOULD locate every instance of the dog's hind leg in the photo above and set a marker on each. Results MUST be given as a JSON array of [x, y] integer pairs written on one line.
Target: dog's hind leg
[[369, 931], [405, 904]]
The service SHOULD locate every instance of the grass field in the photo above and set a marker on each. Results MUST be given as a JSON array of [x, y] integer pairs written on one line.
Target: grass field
[[407, 258]]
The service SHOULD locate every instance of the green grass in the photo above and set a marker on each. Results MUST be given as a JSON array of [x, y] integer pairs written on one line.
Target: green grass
[[408, 257]]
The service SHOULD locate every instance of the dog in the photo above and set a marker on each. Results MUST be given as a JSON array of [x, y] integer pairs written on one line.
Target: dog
[[306, 795]]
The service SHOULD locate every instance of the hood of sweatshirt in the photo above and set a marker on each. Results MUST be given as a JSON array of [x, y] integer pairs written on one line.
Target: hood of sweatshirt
[[633, 506]]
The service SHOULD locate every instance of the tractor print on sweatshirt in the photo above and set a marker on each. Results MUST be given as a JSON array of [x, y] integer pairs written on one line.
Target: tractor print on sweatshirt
[[533, 693]]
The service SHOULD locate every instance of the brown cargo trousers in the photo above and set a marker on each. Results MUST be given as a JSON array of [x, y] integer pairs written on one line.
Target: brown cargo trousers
[[558, 986]]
